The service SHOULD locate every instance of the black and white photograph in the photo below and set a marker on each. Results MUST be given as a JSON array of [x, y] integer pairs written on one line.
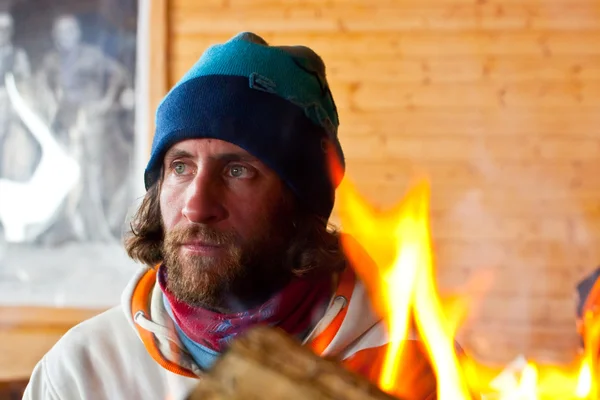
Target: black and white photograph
[[68, 144]]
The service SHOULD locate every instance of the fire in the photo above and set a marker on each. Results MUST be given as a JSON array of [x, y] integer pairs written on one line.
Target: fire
[[402, 287], [584, 384], [527, 388]]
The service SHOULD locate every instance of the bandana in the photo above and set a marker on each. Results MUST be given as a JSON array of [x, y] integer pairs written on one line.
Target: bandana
[[295, 309]]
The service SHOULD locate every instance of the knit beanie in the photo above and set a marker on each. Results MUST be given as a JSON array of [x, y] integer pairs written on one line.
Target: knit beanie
[[272, 101]]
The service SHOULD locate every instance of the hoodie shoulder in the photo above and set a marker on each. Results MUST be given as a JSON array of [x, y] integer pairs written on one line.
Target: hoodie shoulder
[[100, 358], [84, 357]]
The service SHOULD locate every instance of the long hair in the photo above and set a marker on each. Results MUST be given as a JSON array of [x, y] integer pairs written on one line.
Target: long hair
[[315, 244], [145, 240]]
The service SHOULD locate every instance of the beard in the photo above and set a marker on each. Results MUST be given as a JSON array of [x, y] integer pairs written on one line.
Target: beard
[[243, 275]]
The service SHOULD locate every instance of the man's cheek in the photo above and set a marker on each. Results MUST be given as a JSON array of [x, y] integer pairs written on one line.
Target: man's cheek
[[169, 217]]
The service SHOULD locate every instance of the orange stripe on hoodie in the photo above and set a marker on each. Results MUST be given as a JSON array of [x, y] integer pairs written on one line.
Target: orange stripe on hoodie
[[345, 289], [140, 302]]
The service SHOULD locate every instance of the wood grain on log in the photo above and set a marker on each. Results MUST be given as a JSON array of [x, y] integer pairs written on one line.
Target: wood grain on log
[[267, 363]]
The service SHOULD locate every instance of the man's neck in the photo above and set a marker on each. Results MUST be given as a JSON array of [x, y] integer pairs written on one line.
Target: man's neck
[[68, 51], [246, 297], [294, 309]]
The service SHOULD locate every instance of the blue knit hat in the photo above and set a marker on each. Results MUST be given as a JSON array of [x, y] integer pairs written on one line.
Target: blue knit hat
[[272, 101]]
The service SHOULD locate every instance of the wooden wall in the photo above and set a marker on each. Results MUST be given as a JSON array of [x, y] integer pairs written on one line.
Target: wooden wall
[[27, 333], [497, 100]]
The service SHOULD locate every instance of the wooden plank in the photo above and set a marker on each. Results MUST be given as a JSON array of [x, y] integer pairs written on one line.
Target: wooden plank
[[382, 96], [448, 283], [495, 148], [494, 253], [508, 262], [469, 219], [559, 173], [237, 4], [532, 341], [31, 317], [423, 43], [465, 260], [159, 50], [195, 18], [490, 194], [470, 121], [501, 203], [484, 224], [541, 310], [27, 333], [22, 350], [485, 150], [518, 330], [466, 268], [541, 285], [13, 389], [511, 229], [501, 344], [473, 69], [464, 70]]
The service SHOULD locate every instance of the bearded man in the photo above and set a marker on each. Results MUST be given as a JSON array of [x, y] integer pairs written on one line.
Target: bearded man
[[234, 230]]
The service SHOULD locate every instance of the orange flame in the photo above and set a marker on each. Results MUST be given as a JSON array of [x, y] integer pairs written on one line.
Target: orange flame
[[587, 386], [405, 286], [402, 289]]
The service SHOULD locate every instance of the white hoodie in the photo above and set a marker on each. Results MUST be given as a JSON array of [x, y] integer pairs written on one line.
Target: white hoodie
[[133, 352]]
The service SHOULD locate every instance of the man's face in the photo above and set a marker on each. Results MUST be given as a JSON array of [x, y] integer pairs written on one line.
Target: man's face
[[67, 34], [227, 220], [6, 29]]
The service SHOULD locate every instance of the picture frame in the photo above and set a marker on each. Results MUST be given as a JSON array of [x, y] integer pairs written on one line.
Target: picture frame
[[86, 270]]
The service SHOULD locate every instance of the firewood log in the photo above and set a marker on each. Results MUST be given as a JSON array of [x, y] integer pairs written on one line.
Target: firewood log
[[266, 363]]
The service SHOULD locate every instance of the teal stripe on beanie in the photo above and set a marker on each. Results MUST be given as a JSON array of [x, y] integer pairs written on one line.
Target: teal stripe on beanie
[[295, 73], [272, 101]]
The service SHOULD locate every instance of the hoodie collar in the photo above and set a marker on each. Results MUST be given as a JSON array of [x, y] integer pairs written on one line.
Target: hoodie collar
[[142, 303], [348, 316]]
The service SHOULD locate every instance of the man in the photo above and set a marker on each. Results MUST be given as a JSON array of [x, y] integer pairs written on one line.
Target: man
[[234, 225], [79, 76], [15, 164], [83, 86]]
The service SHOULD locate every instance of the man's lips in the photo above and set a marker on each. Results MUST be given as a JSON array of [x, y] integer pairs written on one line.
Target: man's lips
[[201, 247]]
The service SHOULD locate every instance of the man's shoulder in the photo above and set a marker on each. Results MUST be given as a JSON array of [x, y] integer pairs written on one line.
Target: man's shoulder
[[108, 335], [92, 352], [91, 52], [102, 358], [94, 330], [105, 335]]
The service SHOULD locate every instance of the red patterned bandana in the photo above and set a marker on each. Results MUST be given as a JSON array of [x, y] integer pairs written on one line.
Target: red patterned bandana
[[295, 309]]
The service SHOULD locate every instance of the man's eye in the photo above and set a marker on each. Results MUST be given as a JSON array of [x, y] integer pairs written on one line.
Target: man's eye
[[239, 171], [179, 168]]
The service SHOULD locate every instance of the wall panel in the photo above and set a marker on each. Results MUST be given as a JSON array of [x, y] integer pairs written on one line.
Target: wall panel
[[497, 100]]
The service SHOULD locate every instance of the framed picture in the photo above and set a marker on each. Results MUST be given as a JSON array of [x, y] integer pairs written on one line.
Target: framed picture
[[73, 141]]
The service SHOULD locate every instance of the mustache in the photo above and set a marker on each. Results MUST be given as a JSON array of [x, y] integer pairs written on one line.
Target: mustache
[[183, 235]]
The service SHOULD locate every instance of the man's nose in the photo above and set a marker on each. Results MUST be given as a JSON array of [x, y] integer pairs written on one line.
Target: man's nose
[[204, 200]]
